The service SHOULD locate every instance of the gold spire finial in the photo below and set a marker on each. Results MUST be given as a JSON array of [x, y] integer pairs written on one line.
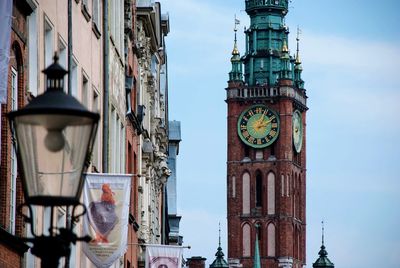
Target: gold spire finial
[[285, 47], [235, 49], [298, 61]]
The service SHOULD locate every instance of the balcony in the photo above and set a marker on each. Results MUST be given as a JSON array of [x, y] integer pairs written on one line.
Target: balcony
[[254, 4], [264, 91]]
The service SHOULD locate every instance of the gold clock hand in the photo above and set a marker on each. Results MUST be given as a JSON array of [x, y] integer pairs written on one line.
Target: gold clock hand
[[264, 124]]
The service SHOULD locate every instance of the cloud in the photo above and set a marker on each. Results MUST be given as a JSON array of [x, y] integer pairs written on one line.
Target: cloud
[[364, 57]]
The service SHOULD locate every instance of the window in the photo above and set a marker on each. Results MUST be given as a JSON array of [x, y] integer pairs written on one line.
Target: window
[[271, 193], [14, 168], [33, 52], [74, 78], [154, 66], [121, 143], [258, 189], [246, 193], [63, 57], [96, 17], [246, 151], [246, 242], [113, 136], [271, 240], [287, 185], [85, 90], [96, 156], [48, 43], [85, 9]]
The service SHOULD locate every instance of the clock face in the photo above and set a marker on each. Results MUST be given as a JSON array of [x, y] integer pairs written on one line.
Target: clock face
[[258, 126], [297, 131]]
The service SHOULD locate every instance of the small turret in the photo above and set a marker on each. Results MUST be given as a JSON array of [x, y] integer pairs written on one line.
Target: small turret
[[219, 261], [286, 70], [298, 69], [235, 75], [323, 261]]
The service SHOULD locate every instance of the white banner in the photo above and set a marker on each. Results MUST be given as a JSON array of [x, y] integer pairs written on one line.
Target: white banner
[[106, 197], [163, 256], [5, 35]]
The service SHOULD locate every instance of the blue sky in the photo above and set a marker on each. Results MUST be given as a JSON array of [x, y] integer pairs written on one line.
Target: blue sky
[[351, 59]]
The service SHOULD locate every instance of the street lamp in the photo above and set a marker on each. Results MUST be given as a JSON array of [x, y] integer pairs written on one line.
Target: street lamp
[[53, 136]]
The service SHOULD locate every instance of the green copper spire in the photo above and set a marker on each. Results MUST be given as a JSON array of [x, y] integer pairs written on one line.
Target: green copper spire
[[236, 73], [257, 260], [298, 69], [323, 261], [264, 41], [219, 260]]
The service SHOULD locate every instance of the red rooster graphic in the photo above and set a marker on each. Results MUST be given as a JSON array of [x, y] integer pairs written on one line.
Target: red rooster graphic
[[102, 215]]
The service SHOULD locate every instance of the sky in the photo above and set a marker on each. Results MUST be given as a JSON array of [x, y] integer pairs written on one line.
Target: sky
[[351, 59]]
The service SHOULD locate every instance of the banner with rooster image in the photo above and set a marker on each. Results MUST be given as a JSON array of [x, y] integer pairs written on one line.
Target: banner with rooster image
[[106, 197], [163, 256]]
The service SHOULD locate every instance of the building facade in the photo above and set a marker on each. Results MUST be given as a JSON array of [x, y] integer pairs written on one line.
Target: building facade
[[118, 67], [266, 167], [12, 249], [152, 28], [174, 237], [133, 129]]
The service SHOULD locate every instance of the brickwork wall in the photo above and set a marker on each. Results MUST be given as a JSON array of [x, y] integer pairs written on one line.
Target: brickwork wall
[[18, 61], [287, 226], [8, 258], [196, 262], [131, 256]]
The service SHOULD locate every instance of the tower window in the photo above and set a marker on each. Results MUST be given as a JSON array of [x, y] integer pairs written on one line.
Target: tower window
[[246, 193], [258, 189], [246, 151], [271, 240], [246, 240], [271, 193], [273, 150]]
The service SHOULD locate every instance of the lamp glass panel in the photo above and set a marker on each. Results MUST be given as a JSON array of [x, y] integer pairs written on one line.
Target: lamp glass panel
[[52, 149]]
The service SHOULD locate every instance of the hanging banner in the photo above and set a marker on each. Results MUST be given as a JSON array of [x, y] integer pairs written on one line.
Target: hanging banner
[[5, 35], [163, 256], [106, 197]]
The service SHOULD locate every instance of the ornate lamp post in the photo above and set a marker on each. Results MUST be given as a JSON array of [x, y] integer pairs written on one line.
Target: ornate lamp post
[[53, 136]]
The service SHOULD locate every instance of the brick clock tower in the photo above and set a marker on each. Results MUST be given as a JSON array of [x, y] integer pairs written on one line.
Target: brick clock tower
[[266, 167]]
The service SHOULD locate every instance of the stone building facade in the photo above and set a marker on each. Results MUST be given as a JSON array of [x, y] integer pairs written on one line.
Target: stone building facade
[[152, 28]]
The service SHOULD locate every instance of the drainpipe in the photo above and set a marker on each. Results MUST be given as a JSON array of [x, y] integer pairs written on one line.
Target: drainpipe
[[69, 46], [67, 212], [105, 85]]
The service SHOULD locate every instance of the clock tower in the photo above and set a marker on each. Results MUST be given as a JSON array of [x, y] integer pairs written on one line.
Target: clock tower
[[266, 167]]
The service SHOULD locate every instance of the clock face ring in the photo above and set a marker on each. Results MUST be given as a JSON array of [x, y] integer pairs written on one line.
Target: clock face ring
[[297, 131], [258, 126]]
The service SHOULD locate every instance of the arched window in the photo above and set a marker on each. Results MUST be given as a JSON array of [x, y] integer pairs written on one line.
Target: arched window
[[259, 189], [246, 240], [246, 193], [271, 240], [271, 193]]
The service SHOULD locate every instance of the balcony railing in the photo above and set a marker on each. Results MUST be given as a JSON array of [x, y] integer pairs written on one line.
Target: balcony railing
[[247, 92], [250, 4]]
